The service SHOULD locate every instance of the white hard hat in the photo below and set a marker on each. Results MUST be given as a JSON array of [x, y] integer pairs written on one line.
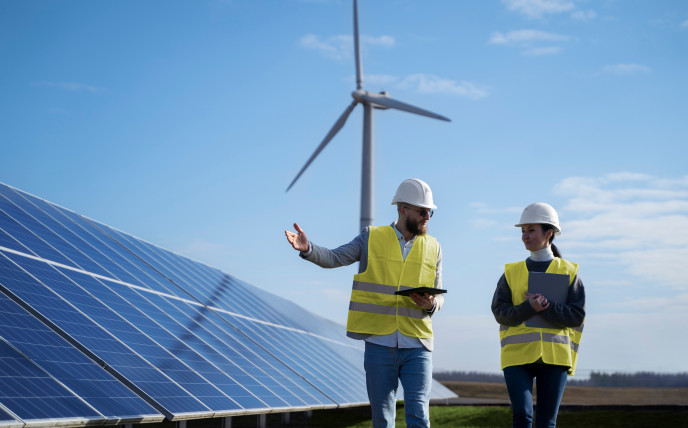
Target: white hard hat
[[540, 212], [414, 192]]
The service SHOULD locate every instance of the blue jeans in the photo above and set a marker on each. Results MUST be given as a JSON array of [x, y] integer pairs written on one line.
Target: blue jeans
[[550, 383], [384, 368]]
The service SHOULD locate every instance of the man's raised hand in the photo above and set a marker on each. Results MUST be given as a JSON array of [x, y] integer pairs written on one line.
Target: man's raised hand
[[297, 240]]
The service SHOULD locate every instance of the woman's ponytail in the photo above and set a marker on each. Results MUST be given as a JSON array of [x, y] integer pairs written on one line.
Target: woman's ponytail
[[555, 250]]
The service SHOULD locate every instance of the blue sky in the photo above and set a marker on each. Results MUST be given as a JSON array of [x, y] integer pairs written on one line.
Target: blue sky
[[183, 123]]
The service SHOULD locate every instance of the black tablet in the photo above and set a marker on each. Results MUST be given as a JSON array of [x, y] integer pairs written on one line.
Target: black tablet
[[420, 290]]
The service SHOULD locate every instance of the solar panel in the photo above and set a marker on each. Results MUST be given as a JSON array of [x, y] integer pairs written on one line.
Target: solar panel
[[127, 330], [31, 394], [41, 346]]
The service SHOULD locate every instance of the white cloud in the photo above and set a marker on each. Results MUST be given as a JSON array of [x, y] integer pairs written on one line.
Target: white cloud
[[483, 208], [529, 41], [525, 37], [335, 47], [584, 15], [639, 220], [537, 8], [483, 223], [380, 79], [341, 47], [550, 50], [377, 41], [684, 24], [534, 9], [626, 69], [427, 83], [71, 86], [654, 303]]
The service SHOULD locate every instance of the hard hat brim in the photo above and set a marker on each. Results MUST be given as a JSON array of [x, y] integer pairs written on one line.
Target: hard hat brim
[[557, 231]]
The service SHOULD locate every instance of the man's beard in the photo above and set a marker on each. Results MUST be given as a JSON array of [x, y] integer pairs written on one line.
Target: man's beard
[[412, 226]]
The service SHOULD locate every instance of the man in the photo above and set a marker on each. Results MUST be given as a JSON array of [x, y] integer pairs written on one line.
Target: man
[[397, 330]]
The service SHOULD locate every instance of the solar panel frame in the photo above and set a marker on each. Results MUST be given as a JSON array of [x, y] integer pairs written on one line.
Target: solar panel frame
[[7, 420]]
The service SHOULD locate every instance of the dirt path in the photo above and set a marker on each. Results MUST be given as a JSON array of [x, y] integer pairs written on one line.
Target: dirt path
[[495, 393]]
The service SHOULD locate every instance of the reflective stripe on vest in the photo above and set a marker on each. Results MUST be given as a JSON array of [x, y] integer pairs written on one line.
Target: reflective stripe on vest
[[374, 308], [535, 337], [524, 345]]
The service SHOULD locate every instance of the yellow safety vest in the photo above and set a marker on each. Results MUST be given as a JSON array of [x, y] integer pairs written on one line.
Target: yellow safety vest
[[525, 345], [374, 308]]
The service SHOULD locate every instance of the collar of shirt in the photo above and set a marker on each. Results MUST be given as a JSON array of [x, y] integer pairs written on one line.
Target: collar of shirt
[[404, 244]]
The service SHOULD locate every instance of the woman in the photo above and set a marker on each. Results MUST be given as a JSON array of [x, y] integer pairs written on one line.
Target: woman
[[539, 333]]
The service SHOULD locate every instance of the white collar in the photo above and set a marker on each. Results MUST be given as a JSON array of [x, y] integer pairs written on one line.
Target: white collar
[[542, 255]]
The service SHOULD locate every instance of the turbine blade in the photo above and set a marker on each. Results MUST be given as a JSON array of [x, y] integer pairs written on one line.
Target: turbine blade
[[398, 105], [333, 131], [357, 50]]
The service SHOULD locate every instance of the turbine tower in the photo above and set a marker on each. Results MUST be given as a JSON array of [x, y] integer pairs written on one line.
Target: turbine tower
[[369, 101]]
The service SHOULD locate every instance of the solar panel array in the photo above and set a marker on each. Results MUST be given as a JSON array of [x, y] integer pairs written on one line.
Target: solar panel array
[[97, 326]]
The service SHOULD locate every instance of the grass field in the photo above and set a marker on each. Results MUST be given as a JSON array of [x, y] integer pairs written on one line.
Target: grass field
[[582, 407]]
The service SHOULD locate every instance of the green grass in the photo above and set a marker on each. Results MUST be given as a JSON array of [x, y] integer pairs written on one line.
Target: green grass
[[472, 417]]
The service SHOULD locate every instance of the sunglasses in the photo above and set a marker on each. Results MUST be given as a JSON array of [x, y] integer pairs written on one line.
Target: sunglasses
[[422, 211]]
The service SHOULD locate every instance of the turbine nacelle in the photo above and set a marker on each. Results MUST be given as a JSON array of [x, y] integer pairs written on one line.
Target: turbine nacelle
[[362, 96]]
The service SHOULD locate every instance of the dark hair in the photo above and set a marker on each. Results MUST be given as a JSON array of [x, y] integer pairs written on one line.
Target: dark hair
[[545, 228]]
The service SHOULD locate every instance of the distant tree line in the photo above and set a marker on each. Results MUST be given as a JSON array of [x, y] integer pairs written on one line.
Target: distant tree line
[[469, 376], [638, 379]]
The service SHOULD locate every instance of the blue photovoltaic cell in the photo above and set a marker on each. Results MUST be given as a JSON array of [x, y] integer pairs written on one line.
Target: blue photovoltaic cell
[[91, 240], [64, 362], [145, 319], [168, 326], [23, 228], [337, 379], [189, 334], [269, 397], [102, 344], [192, 373], [58, 236], [323, 373], [30, 393], [6, 240]]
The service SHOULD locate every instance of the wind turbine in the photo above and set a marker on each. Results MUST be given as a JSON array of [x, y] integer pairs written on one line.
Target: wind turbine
[[369, 101]]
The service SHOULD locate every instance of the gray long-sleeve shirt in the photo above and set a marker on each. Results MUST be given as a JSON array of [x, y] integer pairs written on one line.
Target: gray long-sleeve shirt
[[357, 251], [568, 314]]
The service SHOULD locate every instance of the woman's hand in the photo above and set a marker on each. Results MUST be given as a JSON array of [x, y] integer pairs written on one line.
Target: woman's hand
[[537, 301]]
